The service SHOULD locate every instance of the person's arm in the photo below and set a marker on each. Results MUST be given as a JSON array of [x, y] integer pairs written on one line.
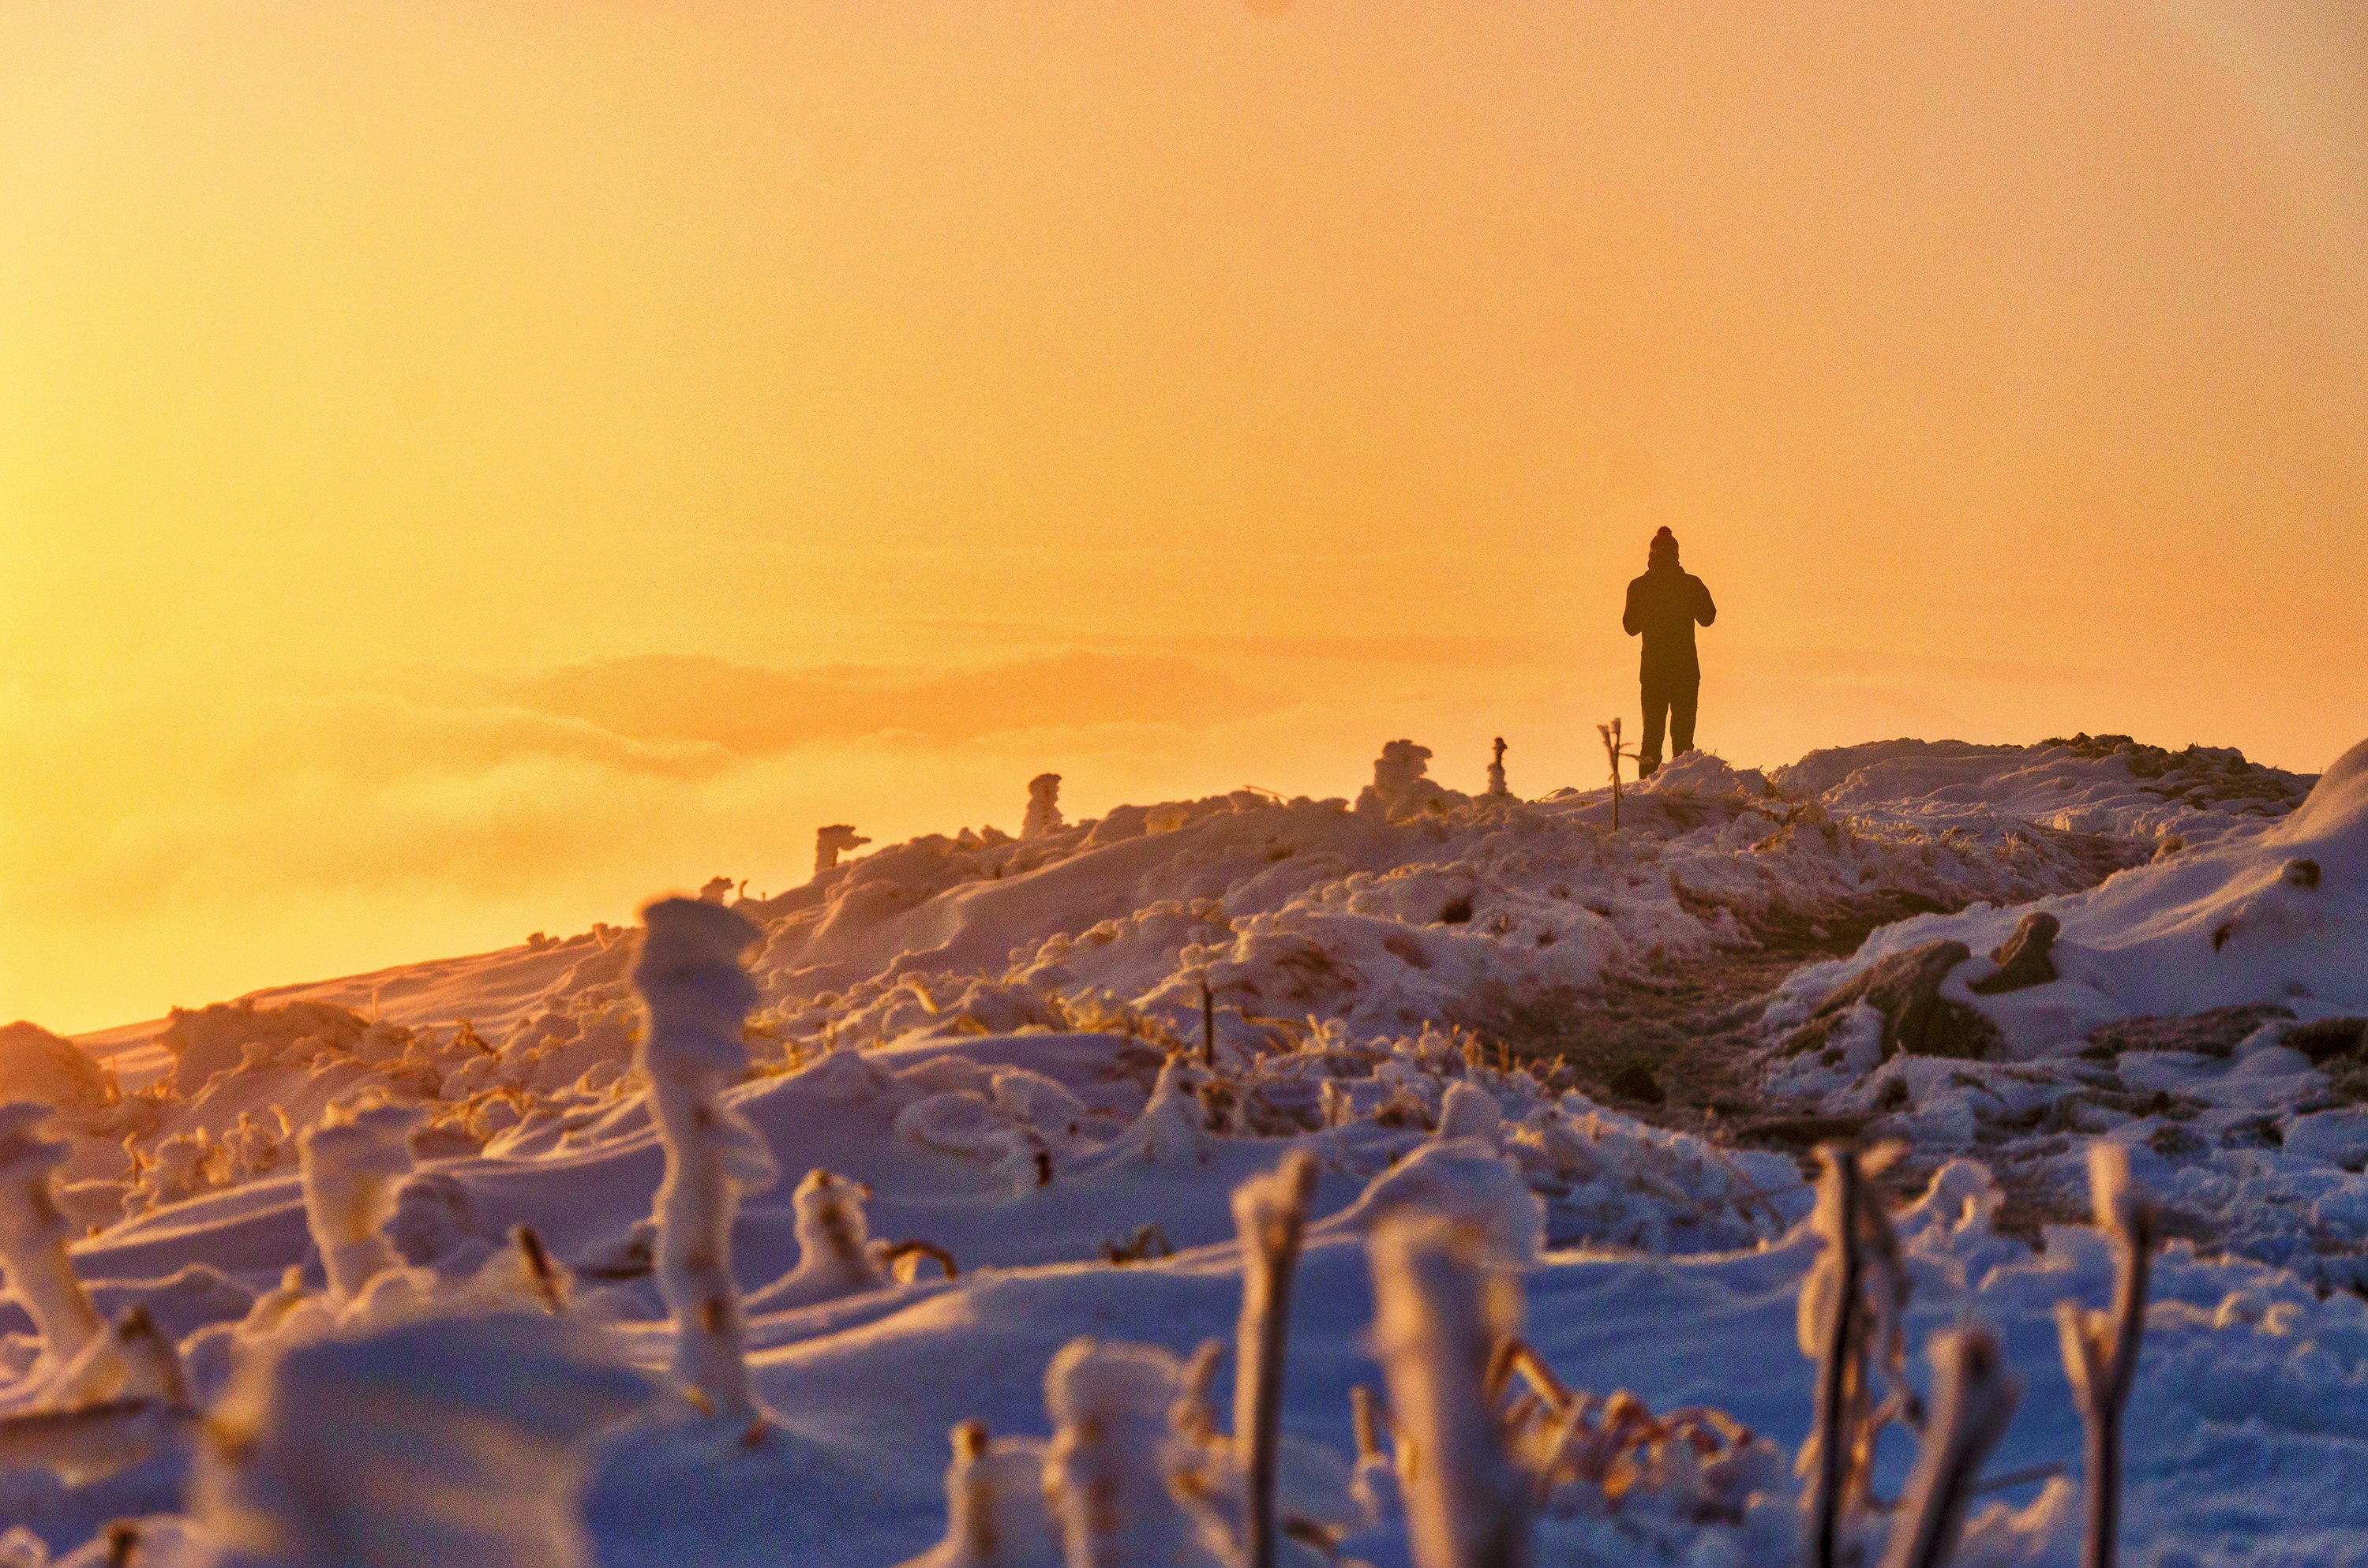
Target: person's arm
[[1704, 611], [1628, 616]]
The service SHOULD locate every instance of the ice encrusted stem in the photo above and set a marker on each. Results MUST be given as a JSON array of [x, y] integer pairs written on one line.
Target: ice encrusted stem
[[1442, 1303], [1110, 1473], [2101, 1349], [1974, 1399], [1270, 1213], [1839, 1374], [690, 981], [350, 1170], [995, 1505], [34, 1233], [1374, 1484]]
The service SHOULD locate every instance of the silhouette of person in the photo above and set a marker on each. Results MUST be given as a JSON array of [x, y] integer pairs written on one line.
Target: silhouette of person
[[1663, 606]]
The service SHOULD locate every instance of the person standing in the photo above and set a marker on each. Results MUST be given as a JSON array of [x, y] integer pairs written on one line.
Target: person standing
[[1663, 606]]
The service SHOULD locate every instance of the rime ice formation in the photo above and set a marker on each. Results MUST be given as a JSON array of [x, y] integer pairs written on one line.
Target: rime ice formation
[[351, 1170], [1114, 1468], [1401, 790], [1043, 817], [995, 1505], [690, 979], [457, 1441], [835, 1253], [830, 843], [34, 1233], [1442, 1306]]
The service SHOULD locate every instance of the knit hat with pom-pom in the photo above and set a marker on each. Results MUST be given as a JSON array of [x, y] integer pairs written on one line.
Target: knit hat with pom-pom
[[1665, 540]]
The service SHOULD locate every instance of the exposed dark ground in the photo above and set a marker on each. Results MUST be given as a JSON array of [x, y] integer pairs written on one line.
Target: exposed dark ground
[[1669, 1044], [1670, 1047]]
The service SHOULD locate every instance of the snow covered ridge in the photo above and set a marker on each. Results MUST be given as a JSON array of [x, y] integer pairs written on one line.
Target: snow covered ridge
[[1384, 918], [2209, 1010], [461, 1395]]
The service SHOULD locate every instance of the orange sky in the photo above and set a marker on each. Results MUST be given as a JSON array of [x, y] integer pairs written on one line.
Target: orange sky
[[1176, 394]]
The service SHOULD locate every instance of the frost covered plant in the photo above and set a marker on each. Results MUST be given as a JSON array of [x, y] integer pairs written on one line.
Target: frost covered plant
[[1173, 1127], [1270, 1213], [836, 1255], [1853, 1317], [689, 978], [2101, 1349], [1443, 1303], [537, 1270], [995, 1505], [454, 1441], [1112, 1471], [34, 1233], [1974, 1398], [1043, 807], [352, 1172], [118, 1401], [1469, 1111], [832, 841]]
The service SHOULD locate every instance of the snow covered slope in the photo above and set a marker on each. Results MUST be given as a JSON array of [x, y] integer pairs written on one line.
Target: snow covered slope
[[995, 1051], [2209, 1010]]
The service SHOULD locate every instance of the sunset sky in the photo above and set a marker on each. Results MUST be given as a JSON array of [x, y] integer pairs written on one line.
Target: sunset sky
[[465, 467]]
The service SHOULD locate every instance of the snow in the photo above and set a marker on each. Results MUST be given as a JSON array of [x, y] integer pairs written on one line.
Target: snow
[[2247, 1138], [1010, 1157]]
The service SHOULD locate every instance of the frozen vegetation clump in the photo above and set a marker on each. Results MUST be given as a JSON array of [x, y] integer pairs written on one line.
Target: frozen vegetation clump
[[352, 1172], [995, 1505], [1402, 789], [1117, 1474], [697, 994], [831, 841], [836, 1255], [1443, 1304], [34, 1233], [1043, 818], [455, 1441]]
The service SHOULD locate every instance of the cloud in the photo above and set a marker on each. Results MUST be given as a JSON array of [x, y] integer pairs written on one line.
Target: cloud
[[178, 841], [756, 710]]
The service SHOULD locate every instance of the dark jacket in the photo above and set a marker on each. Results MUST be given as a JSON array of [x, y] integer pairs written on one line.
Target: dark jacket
[[1663, 606]]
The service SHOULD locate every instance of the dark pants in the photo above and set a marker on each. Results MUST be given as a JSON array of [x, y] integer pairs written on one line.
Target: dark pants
[[1670, 699]]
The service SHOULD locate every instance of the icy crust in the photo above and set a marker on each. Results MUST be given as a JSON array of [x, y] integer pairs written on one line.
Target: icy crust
[[2204, 1011]]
